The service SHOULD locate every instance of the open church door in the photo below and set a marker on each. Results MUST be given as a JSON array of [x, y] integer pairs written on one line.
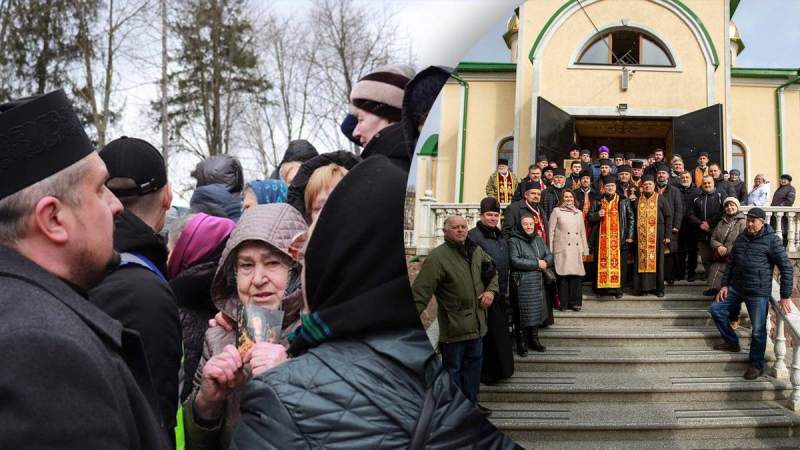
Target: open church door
[[555, 131], [699, 131]]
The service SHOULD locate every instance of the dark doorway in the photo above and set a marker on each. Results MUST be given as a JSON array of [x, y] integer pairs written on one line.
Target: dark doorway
[[624, 135]]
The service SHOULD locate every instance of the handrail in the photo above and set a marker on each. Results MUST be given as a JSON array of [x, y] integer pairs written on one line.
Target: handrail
[[790, 322]]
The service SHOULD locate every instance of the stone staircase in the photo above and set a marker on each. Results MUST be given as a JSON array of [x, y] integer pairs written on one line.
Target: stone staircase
[[639, 372]]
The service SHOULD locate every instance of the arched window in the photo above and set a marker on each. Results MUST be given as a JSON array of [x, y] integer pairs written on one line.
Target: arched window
[[739, 159], [626, 48], [505, 150]]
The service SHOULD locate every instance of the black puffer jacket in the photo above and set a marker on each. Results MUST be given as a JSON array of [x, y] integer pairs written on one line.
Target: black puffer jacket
[[688, 195], [741, 191], [220, 169], [550, 198], [707, 207], [752, 261], [391, 143], [627, 222], [725, 187], [495, 245]]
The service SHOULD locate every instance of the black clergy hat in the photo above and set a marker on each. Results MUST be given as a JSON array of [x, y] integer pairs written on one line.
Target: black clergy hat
[[630, 155], [502, 162], [618, 155], [609, 179], [586, 173], [39, 137], [585, 152], [662, 168], [637, 164], [702, 154], [541, 158], [624, 168], [648, 177], [606, 162], [490, 204], [559, 171]]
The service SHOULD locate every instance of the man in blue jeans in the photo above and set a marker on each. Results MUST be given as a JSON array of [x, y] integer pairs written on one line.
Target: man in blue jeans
[[748, 279]]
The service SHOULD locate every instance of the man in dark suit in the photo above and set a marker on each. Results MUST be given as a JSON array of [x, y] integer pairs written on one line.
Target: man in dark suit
[[675, 201], [72, 375], [530, 204]]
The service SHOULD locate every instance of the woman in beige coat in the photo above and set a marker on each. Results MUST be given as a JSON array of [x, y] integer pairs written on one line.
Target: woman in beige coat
[[569, 246]]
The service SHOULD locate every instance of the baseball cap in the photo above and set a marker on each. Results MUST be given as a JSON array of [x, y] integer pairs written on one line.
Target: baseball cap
[[135, 159]]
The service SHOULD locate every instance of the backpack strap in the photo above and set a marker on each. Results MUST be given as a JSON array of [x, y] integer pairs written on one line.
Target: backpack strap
[[139, 259]]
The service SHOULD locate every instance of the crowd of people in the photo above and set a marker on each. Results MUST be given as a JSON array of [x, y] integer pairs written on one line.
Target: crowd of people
[[618, 223], [265, 315]]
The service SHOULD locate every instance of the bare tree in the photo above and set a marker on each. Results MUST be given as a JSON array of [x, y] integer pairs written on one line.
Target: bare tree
[[164, 63]]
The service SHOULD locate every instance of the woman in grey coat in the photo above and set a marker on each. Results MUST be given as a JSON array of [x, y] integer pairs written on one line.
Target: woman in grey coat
[[529, 258], [733, 223]]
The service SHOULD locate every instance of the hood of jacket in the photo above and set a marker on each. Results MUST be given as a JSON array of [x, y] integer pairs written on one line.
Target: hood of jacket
[[418, 97], [220, 169], [218, 195], [201, 236], [131, 234], [297, 190], [275, 224], [299, 150]]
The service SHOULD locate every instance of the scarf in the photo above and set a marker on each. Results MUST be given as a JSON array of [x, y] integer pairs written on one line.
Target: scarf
[[269, 191], [571, 208]]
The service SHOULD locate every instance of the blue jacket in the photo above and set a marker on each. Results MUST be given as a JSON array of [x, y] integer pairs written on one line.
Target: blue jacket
[[751, 264], [217, 194], [595, 168]]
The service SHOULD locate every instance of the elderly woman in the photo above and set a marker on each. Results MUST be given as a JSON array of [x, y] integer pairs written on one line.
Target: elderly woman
[[733, 223], [569, 246], [529, 258], [263, 192], [759, 195], [254, 269]]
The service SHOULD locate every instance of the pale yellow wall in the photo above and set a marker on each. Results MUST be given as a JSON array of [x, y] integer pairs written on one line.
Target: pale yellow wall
[[754, 122], [448, 143], [791, 112]]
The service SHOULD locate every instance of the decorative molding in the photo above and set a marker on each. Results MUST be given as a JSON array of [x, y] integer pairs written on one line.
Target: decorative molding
[[612, 111]]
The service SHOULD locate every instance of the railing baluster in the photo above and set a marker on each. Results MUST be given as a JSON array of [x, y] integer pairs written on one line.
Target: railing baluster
[[794, 400], [792, 244], [779, 369], [779, 223]]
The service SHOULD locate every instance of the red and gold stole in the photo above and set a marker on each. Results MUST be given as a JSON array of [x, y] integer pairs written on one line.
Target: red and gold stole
[[608, 251], [587, 204], [505, 187], [538, 223], [647, 230]]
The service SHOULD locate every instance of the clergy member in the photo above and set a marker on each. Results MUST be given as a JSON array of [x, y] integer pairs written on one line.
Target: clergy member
[[610, 237], [653, 233], [702, 168], [502, 183]]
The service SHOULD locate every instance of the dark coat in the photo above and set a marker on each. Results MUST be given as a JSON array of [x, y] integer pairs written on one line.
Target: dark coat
[[527, 281], [740, 189], [522, 187], [627, 223], [513, 215], [301, 150], [391, 143], [724, 186], [297, 190], [784, 196], [220, 169], [752, 262], [317, 400], [495, 245], [143, 302], [688, 195], [70, 380], [627, 190], [550, 198], [675, 202], [217, 195], [419, 96], [706, 208]]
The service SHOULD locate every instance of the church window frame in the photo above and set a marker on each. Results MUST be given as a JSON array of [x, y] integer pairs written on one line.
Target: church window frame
[[656, 40]]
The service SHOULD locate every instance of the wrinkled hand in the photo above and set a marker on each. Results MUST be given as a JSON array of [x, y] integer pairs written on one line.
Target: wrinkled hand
[[222, 374], [785, 305], [722, 294], [704, 226], [601, 213], [221, 320], [486, 299], [542, 264], [722, 250], [264, 356]]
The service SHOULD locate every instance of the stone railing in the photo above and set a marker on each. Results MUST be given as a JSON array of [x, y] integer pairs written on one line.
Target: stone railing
[[786, 322], [408, 238], [429, 232]]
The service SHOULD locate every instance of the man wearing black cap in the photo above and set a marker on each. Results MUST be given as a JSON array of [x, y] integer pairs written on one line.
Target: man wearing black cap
[[637, 169], [502, 183], [71, 370], [619, 159], [574, 155], [675, 201], [748, 279], [534, 177], [624, 186], [498, 361], [552, 195], [722, 185], [547, 175], [705, 213], [137, 293], [586, 159], [610, 237], [651, 208], [542, 162], [783, 196], [629, 157], [702, 169], [606, 168]]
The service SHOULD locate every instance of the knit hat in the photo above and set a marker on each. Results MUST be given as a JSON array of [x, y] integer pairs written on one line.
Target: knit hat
[[541, 158], [380, 93], [490, 204], [735, 172], [786, 176], [729, 200]]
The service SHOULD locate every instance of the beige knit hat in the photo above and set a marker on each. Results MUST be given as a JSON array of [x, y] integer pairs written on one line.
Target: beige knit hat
[[381, 92]]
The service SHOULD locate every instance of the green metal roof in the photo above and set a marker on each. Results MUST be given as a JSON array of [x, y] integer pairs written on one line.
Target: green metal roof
[[753, 72], [734, 5], [430, 147], [467, 67]]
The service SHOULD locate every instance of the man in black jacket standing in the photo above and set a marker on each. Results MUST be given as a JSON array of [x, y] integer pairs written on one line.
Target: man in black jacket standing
[[498, 361], [704, 215], [675, 201], [534, 176], [552, 195], [724, 186], [687, 234], [70, 373], [748, 279], [137, 293]]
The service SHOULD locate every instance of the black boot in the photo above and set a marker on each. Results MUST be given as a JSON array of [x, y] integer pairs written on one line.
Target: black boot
[[522, 344], [533, 340]]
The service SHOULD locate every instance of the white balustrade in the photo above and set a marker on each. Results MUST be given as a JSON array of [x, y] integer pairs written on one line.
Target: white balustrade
[[791, 323]]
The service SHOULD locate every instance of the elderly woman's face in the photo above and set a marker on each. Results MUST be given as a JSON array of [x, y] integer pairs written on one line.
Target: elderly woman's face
[[368, 125], [759, 181], [261, 275], [731, 208]]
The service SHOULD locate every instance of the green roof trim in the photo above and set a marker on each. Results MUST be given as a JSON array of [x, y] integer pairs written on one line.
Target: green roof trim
[[430, 147], [753, 72], [467, 67], [677, 2], [734, 5]]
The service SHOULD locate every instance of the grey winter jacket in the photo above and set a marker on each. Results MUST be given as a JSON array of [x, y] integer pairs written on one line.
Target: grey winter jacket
[[725, 234], [361, 394], [527, 281]]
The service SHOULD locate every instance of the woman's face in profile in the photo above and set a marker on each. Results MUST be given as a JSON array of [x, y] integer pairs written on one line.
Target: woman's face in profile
[[368, 125]]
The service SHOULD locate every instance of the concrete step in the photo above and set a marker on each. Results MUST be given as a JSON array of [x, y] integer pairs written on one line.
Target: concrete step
[[643, 422], [571, 387], [635, 359], [672, 299], [757, 443], [594, 315], [557, 335]]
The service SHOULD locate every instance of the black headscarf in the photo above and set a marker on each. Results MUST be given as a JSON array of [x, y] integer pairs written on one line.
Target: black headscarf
[[356, 278], [297, 190]]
